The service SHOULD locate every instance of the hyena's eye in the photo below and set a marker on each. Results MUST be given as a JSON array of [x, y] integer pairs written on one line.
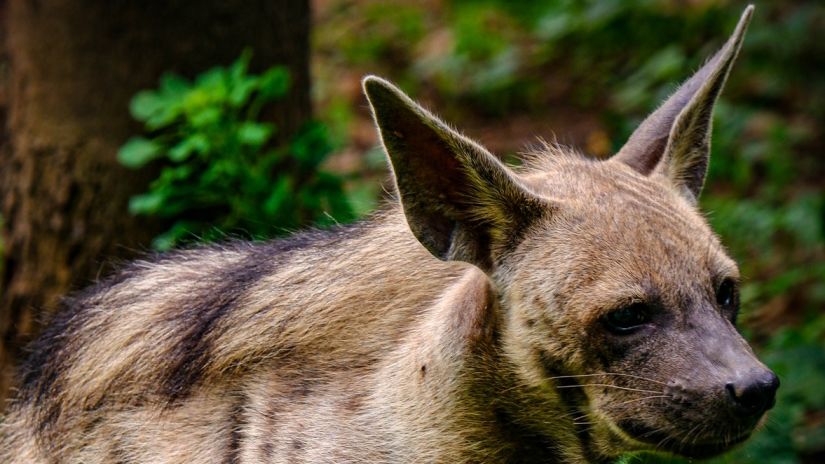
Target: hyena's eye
[[627, 319], [727, 297]]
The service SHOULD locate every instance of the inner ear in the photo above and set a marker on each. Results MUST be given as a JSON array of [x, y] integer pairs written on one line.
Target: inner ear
[[459, 200]]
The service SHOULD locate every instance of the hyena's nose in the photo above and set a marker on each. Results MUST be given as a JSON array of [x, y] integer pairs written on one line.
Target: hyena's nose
[[754, 393]]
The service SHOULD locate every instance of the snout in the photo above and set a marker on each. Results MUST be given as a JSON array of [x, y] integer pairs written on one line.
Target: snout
[[752, 394], [728, 375], [744, 398], [738, 401], [728, 409]]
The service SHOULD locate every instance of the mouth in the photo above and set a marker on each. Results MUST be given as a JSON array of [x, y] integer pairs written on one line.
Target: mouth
[[663, 441]]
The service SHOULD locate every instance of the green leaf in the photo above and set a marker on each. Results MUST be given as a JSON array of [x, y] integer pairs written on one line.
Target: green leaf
[[213, 83], [163, 119], [206, 117], [197, 143], [311, 145], [280, 193], [181, 151], [238, 69], [146, 104], [180, 173], [173, 87], [240, 92], [254, 134], [274, 83], [138, 151], [147, 203], [240, 85]]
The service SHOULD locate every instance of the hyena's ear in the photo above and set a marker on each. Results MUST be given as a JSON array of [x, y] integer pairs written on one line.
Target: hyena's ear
[[460, 201], [675, 140]]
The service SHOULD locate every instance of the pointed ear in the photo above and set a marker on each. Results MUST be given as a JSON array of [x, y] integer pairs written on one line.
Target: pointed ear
[[460, 201], [675, 139]]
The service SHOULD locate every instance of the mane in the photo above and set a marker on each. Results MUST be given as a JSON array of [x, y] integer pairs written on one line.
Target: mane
[[542, 156]]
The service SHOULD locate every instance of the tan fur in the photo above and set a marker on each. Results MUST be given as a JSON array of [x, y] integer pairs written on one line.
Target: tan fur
[[358, 345]]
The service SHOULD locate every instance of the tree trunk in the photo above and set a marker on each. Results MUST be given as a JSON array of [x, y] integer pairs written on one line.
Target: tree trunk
[[71, 67]]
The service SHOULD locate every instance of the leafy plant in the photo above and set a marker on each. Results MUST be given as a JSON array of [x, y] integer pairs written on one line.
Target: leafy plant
[[221, 171]]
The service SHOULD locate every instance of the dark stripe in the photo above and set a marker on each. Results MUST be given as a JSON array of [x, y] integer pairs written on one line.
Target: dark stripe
[[198, 322], [572, 396], [237, 424], [117, 451], [267, 449], [528, 446], [271, 429], [296, 451], [574, 401], [40, 370]]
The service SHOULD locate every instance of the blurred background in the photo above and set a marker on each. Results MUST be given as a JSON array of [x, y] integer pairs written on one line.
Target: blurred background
[[134, 125]]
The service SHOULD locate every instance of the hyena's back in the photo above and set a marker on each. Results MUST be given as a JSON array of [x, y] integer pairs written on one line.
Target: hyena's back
[[202, 353]]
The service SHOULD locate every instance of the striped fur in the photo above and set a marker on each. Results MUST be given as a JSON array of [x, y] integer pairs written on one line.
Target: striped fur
[[463, 323]]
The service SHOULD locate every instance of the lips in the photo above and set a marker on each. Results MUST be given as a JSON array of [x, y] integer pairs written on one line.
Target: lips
[[664, 441]]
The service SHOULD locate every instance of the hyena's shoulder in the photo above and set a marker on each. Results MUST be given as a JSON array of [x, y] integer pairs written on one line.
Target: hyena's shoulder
[[192, 287]]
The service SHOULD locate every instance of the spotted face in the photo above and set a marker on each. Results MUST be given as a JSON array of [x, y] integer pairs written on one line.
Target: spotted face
[[626, 302]]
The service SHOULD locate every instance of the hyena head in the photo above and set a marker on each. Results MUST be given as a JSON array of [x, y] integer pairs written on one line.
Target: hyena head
[[617, 300]]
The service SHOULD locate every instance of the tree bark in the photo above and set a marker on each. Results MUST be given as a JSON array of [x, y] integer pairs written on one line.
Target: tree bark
[[71, 67]]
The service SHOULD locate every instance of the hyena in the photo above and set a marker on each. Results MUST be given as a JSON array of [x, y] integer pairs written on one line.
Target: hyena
[[565, 311]]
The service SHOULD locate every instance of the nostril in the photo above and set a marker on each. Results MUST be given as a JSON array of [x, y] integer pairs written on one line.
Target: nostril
[[754, 395], [732, 391]]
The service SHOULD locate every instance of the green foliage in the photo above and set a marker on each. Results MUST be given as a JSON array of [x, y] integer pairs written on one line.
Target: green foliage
[[221, 170], [384, 38]]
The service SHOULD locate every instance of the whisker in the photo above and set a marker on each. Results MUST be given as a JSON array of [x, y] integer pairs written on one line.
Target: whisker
[[641, 399], [698, 429], [661, 442], [607, 373], [609, 386], [575, 417], [702, 430]]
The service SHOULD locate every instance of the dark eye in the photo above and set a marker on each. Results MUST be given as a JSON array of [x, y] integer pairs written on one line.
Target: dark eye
[[626, 320], [727, 297]]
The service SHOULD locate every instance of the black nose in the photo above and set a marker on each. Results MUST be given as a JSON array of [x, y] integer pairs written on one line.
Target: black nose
[[755, 393]]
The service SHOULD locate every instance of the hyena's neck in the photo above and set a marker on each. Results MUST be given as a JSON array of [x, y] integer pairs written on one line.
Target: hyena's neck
[[543, 422], [451, 384], [543, 430]]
